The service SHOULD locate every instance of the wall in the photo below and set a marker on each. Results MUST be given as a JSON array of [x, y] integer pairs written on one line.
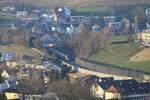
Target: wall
[[107, 70]]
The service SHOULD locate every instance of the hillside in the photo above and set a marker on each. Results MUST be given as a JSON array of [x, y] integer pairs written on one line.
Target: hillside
[[19, 51], [76, 3], [120, 54], [141, 56]]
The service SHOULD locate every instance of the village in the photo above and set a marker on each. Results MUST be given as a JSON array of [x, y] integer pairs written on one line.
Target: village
[[35, 66]]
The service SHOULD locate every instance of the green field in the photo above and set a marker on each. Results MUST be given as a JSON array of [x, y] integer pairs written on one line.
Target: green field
[[93, 9], [76, 3], [120, 54], [6, 16]]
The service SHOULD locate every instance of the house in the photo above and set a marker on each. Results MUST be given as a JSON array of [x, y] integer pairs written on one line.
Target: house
[[48, 17], [77, 76], [46, 64], [108, 19], [5, 74], [30, 17], [6, 56], [145, 87], [115, 27], [8, 86], [147, 12], [65, 28], [47, 41], [95, 79], [8, 82], [121, 89], [144, 37], [13, 94], [99, 87], [21, 13], [63, 14], [9, 9], [76, 20], [96, 28], [45, 96], [11, 64], [46, 77]]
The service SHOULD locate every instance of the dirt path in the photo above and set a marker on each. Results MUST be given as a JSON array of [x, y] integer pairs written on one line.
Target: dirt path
[[142, 56]]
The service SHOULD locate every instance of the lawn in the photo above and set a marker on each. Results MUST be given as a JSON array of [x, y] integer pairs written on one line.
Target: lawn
[[20, 51], [6, 16], [120, 54], [93, 9]]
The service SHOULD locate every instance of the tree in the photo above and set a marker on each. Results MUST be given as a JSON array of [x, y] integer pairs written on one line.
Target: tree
[[6, 38], [104, 36], [125, 25], [62, 88], [21, 37], [84, 42], [80, 41], [3, 96], [139, 12], [33, 85], [71, 91], [30, 86]]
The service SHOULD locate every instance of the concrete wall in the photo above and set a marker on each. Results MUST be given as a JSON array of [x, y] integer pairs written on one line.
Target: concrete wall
[[99, 74], [107, 70]]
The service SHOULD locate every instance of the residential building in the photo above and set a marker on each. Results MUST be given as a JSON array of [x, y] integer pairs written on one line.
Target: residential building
[[47, 41], [121, 89], [63, 14], [96, 28], [13, 95], [144, 37], [115, 27], [11, 64], [76, 20], [9, 9], [5, 74], [21, 13], [147, 12], [108, 19], [100, 86], [6, 56], [28, 17]]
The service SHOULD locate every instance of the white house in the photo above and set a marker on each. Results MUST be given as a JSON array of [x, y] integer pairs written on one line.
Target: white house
[[21, 13]]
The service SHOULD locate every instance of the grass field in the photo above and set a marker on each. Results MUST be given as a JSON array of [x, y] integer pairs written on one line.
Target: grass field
[[76, 3], [103, 7], [120, 54], [93, 9], [19, 51], [6, 16]]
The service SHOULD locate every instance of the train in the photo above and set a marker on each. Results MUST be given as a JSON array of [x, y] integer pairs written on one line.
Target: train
[[59, 54]]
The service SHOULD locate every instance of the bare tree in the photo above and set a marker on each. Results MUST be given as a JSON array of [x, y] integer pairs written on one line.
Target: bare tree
[[125, 25], [104, 36], [21, 37], [79, 42], [6, 38], [71, 91], [85, 42], [33, 85]]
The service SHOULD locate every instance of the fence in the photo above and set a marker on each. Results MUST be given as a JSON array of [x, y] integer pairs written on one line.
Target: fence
[[109, 69]]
